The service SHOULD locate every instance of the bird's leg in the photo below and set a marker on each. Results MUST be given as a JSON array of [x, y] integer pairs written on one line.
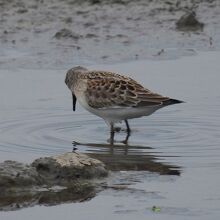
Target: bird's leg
[[112, 128], [128, 127], [128, 133], [126, 139], [112, 134]]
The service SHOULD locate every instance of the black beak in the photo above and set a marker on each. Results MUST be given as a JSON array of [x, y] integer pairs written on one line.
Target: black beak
[[74, 102]]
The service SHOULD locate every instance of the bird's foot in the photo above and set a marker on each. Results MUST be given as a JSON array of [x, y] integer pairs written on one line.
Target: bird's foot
[[117, 129]]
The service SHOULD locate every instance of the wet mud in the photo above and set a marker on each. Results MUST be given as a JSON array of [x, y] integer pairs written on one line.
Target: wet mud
[[60, 34]]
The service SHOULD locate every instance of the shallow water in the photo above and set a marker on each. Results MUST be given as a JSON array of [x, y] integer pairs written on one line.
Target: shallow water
[[183, 140]]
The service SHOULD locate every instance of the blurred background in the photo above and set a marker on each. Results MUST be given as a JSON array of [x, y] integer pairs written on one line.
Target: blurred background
[[59, 34]]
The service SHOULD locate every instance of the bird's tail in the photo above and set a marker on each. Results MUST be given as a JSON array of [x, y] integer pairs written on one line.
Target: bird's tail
[[172, 102]]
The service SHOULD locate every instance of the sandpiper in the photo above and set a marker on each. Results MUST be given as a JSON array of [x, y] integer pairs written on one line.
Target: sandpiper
[[113, 97]]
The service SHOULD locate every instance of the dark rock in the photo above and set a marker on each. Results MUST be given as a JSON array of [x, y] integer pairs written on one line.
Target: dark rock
[[66, 33], [104, 57], [93, 2], [79, 12], [189, 22], [89, 24], [68, 20], [89, 35], [22, 10]]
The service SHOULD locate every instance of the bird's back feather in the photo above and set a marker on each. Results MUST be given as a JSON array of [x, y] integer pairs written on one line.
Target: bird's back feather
[[111, 90]]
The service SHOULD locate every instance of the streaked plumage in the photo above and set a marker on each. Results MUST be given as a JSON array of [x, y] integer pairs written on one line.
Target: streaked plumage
[[113, 97]]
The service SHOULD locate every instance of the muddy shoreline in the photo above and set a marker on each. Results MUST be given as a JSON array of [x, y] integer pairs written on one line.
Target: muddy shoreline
[[59, 34]]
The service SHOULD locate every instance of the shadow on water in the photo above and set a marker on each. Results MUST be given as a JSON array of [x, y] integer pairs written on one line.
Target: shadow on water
[[120, 155]]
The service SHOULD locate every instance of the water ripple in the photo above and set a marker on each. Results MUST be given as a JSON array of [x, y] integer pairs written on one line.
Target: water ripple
[[169, 133]]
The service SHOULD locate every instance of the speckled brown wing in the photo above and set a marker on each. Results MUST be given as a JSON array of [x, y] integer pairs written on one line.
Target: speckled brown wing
[[118, 91], [147, 98]]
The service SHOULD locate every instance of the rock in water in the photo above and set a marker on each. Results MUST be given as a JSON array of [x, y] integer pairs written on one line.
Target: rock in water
[[57, 170], [66, 33], [68, 167], [15, 174], [189, 22], [49, 181]]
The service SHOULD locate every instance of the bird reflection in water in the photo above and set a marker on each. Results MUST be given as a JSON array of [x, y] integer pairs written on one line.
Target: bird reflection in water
[[120, 155]]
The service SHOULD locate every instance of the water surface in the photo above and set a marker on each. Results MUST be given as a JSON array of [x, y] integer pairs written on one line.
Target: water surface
[[171, 159]]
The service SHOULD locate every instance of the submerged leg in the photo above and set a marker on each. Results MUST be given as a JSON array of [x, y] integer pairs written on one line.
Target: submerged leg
[[125, 141], [128, 127], [112, 134], [112, 128]]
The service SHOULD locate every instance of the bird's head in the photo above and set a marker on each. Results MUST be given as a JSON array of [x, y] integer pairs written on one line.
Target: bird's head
[[72, 76]]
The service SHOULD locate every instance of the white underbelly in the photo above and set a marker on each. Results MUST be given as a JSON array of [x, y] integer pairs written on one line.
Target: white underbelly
[[119, 114]]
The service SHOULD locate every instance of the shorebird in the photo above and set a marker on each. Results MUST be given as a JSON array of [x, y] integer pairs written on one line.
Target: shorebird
[[112, 96]]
